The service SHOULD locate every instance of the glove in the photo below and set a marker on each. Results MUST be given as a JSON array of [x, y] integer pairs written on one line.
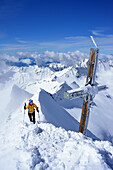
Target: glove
[[25, 106], [37, 110]]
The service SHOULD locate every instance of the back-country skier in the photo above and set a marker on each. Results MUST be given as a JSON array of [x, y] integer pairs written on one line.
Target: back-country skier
[[31, 110]]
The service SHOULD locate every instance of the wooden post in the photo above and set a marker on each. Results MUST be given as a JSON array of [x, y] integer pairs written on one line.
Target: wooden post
[[89, 80]]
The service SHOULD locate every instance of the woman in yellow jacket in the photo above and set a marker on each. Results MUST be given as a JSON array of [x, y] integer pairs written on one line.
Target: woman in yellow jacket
[[31, 110]]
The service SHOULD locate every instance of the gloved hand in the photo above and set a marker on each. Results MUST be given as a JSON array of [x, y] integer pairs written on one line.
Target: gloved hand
[[37, 110], [25, 106]]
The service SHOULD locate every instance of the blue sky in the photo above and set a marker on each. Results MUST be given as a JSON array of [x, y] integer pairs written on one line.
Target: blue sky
[[55, 25]]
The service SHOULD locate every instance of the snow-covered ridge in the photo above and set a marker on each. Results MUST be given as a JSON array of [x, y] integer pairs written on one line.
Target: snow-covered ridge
[[57, 66], [54, 143]]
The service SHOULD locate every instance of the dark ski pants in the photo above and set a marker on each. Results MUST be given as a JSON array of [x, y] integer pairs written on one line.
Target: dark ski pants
[[32, 117]]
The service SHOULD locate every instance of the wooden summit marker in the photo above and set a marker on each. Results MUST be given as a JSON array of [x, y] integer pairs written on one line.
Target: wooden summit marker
[[87, 100], [89, 91]]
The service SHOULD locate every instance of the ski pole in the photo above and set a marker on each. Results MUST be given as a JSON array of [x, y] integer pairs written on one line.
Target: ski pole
[[38, 116]]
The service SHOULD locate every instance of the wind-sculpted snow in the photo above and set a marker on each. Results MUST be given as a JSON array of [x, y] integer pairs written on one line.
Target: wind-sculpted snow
[[55, 148], [43, 146]]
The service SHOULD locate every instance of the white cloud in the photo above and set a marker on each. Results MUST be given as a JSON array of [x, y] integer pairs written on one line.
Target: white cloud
[[97, 32], [22, 41], [24, 54], [15, 48], [26, 61], [69, 58], [76, 38], [49, 53], [3, 66], [105, 40], [7, 57]]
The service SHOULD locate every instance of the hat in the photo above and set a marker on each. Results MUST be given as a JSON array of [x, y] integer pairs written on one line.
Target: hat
[[30, 100]]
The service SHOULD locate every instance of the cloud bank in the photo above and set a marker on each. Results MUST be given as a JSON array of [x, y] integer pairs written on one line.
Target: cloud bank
[[44, 59], [40, 59]]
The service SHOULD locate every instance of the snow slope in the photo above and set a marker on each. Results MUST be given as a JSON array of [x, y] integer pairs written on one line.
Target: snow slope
[[103, 111], [43, 146], [54, 143]]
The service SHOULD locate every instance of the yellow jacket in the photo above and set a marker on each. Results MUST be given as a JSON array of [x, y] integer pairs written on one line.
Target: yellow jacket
[[31, 109]]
